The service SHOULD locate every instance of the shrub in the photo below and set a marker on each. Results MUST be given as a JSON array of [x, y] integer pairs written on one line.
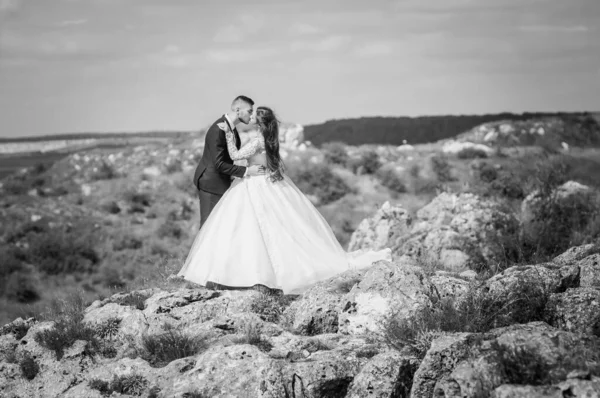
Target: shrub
[[135, 299], [442, 169], [252, 334], [170, 229], [472, 153], [129, 385], [21, 287], [558, 223], [368, 163], [127, 243], [29, 367], [15, 186], [335, 153], [111, 207], [63, 252], [477, 312], [389, 178], [64, 334], [319, 180], [269, 307], [104, 172], [69, 327], [173, 166], [161, 349], [138, 198]]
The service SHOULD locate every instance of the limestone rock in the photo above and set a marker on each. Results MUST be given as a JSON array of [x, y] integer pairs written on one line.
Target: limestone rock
[[590, 271], [383, 230], [576, 310], [386, 375], [386, 289]]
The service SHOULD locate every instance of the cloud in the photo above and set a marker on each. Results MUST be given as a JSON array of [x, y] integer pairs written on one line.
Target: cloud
[[239, 31], [325, 44], [554, 28], [9, 6], [301, 29], [73, 22], [237, 54], [374, 49]]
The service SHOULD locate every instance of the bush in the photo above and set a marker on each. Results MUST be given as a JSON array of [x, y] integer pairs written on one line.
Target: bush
[[105, 172], [335, 153], [21, 287], [136, 300], [442, 169], [127, 243], [389, 178], [560, 223], [477, 312], [170, 229], [252, 334], [367, 163], [270, 307], [128, 385], [69, 327], [62, 252], [471, 153], [111, 207], [320, 181], [15, 186], [64, 334], [138, 198], [162, 349]]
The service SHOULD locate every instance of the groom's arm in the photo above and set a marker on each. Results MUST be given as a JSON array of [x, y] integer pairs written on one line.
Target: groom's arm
[[221, 161]]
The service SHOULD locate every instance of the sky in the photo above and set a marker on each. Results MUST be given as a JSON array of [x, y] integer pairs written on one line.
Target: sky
[[71, 66]]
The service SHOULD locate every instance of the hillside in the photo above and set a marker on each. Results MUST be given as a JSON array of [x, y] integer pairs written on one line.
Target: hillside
[[415, 130]]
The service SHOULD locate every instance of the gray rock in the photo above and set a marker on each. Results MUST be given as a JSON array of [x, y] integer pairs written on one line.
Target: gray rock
[[576, 310], [386, 375]]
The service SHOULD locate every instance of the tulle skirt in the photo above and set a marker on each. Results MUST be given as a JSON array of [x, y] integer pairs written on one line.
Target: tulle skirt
[[269, 233]]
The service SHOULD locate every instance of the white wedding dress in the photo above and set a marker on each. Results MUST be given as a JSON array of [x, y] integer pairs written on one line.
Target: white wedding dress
[[269, 233]]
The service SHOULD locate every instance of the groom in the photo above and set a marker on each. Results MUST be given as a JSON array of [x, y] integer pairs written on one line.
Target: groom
[[213, 174]]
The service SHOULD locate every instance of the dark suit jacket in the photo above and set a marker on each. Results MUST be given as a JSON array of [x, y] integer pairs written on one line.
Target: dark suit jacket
[[215, 169]]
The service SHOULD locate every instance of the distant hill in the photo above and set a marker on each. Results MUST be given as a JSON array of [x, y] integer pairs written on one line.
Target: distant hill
[[83, 136], [415, 130]]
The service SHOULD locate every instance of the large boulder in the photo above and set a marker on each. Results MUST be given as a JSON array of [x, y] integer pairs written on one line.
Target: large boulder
[[386, 290], [533, 202], [590, 271], [529, 354], [386, 228], [460, 231], [576, 310], [386, 375]]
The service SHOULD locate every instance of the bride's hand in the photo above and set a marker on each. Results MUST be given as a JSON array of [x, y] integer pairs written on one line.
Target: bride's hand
[[256, 170]]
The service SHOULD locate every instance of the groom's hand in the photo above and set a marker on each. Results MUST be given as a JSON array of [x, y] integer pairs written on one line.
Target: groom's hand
[[255, 170]]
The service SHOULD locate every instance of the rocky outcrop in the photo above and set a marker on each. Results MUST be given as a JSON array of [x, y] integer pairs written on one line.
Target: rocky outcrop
[[386, 228], [456, 232], [519, 354], [576, 310], [330, 341], [532, 203]]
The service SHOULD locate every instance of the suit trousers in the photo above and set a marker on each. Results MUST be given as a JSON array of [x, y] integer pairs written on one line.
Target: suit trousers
[[207, 202]]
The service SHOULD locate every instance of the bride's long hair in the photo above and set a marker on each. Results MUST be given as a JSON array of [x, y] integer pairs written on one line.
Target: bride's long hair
[[269, 126]]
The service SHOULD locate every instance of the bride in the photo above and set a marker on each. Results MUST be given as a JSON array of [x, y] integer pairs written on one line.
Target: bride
[[264, 230]]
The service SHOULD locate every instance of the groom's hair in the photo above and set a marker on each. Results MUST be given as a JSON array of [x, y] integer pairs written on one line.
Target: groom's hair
[[242, 98]]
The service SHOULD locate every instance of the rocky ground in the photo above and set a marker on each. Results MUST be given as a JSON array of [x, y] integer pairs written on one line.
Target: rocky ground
[[333, 341]]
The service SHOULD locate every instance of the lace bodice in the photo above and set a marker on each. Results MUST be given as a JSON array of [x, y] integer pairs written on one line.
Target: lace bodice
[[255, 146]]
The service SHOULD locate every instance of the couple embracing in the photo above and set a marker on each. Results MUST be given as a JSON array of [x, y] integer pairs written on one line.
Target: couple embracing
[[256, 226]]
